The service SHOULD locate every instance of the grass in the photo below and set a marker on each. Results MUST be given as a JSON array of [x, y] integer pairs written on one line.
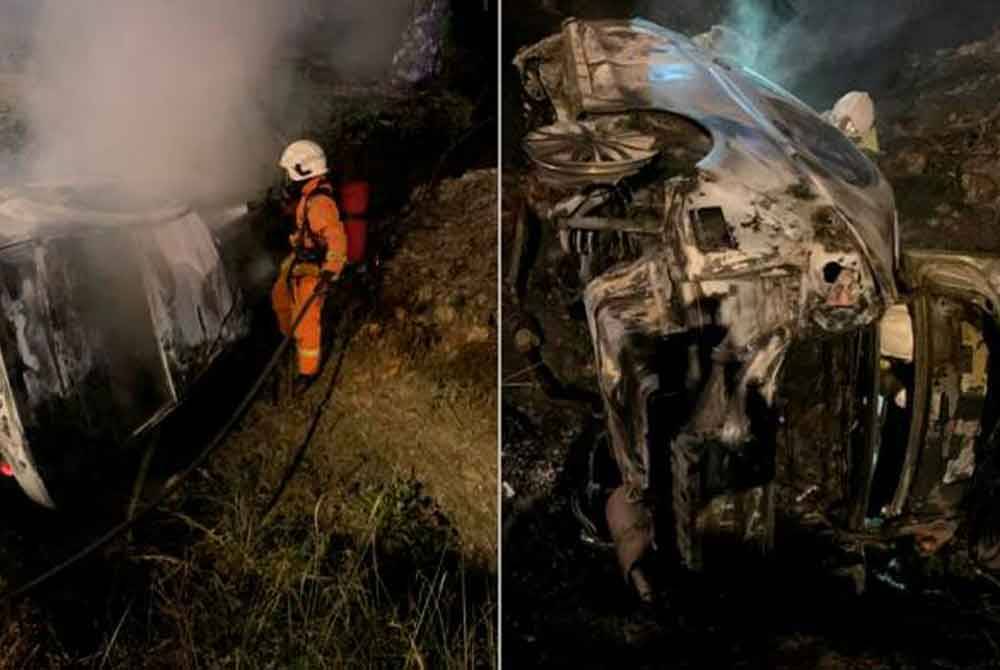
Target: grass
[[387, 589], [380, 553], [289, 593], [361, 564]]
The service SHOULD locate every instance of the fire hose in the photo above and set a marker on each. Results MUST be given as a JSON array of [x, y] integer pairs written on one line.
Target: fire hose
[[213, 445]]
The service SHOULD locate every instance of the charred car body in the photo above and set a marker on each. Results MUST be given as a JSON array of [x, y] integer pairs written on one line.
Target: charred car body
[[112, 312], [717, 221]]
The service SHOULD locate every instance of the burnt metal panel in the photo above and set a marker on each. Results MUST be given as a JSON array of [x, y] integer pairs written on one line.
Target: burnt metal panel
[[105, 325], [775, 163], [711, 230], [195, 309], [83, 362]]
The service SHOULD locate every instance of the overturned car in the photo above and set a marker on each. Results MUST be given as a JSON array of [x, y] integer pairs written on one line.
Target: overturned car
[[112, 310], [716, 221]]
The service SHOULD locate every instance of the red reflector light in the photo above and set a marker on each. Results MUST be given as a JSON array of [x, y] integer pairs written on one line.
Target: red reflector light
[[6, 470]]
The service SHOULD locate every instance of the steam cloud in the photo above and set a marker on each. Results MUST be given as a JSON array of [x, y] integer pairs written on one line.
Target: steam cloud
[[180, 97]]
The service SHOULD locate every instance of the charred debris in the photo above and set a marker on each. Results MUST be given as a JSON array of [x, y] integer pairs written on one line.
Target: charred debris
[[718, 226], [108, 323]]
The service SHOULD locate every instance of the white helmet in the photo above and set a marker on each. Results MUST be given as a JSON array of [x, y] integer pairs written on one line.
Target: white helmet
[[303, 160], [854, 114]]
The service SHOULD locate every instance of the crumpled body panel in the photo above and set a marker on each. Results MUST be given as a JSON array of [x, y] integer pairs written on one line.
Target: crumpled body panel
[[106, 323], [717, 220], [767, 145]]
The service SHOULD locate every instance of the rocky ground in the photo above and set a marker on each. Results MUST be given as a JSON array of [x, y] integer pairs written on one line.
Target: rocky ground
[[941, 130], [565, 604]]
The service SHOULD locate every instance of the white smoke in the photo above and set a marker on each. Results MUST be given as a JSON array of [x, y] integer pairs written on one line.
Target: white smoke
[[181, 97], [815, 34], [821, 49]]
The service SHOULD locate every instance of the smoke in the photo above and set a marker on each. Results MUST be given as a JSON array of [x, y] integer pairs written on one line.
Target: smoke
[[184, 98], [795, 39], [356, 37], [820, 50]]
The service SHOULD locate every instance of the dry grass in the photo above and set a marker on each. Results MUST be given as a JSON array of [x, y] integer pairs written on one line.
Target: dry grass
[[285, 595], [229, 590], [379, 555]]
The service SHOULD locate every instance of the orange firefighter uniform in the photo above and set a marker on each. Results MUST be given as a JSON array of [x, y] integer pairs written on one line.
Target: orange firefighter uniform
[[319, 244]]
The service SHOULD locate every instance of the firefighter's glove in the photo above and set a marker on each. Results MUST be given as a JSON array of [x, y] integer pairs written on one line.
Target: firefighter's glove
[[327, 278]]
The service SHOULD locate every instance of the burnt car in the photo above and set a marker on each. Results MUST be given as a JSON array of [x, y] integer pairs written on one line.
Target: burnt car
[[113, 308], [716, 222]]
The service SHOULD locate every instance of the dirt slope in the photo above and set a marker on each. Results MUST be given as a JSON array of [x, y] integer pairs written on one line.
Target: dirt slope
[[416, 395]]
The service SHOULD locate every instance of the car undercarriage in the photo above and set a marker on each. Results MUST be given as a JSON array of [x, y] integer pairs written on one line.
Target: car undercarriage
[[716, 223]]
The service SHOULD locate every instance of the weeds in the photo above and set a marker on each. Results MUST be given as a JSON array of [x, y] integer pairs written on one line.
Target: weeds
[[383, 586], [394, 593]]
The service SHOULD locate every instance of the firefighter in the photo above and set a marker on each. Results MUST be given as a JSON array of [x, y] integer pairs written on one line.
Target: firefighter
[[854, 115], [319, 252]]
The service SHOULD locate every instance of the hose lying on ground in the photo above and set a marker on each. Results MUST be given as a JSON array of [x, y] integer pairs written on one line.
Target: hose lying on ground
[[213, 445], [313, 426]]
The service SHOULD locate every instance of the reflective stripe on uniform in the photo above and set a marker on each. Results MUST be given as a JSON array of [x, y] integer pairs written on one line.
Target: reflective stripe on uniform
[[309, 353], [304, 269], [870, 141]]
